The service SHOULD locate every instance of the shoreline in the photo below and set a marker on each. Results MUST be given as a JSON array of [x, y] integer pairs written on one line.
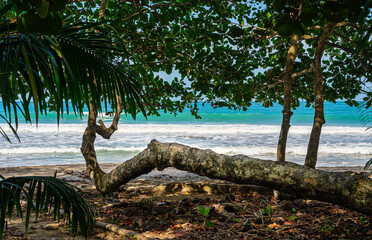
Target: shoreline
[[63, 170]]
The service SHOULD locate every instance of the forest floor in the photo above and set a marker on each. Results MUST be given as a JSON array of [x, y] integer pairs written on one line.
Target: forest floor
[[178, 205]]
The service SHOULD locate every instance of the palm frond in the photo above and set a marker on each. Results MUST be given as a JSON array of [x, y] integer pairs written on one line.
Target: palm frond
[[368, 165], [365, 111], [44, 194], [83, 62]]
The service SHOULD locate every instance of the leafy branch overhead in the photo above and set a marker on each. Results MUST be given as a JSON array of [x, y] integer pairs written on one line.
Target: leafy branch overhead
[[298, 16], [42, 16], [232, 52]]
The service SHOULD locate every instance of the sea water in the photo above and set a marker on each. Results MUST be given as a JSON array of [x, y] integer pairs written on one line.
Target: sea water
[[344, 140]]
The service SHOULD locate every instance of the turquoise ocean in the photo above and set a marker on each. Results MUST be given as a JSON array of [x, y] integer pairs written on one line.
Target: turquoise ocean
[[344, 140]]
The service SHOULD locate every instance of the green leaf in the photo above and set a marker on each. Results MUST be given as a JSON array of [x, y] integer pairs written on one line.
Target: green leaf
[[204, 211], [32, 23], [58, 5], [209, 223], [42, 8]]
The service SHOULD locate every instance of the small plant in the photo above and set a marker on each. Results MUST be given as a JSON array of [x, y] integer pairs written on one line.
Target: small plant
[[326, 228], [267, 211], [362, 220], [204, 212]]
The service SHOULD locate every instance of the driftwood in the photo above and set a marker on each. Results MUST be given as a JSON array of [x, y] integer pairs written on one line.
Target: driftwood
[[352, 190]]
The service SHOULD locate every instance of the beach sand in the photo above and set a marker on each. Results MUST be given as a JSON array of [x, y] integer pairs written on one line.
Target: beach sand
[[169, 185]]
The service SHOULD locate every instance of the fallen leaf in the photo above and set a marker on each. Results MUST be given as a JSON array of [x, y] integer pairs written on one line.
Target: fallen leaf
[[274, 225]]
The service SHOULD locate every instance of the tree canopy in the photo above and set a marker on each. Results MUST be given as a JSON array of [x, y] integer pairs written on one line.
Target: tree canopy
[[229, 53]]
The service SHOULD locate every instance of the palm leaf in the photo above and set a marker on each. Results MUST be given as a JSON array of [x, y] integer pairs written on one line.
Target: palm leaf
[[49, 193], [368, 164], [82, 62], [365, 111]]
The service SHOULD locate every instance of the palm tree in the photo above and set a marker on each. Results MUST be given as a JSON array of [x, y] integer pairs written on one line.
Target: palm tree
[[80, 65]]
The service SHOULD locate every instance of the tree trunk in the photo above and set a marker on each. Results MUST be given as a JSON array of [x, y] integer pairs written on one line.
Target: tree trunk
[[312, 149], [287, 113]]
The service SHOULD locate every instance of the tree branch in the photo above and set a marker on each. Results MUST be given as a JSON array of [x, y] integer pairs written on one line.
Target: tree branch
[[102, 9], [308, 37], [340, 24], [298, 74], [105, 132]]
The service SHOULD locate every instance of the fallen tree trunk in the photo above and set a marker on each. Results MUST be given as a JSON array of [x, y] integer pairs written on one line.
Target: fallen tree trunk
[[352, 190]]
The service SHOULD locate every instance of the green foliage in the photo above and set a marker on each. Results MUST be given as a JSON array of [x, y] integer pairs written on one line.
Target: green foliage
[[30, 23], [204, 212], [267, 211], [44, 194], [326, 228], [38, 16], [231, 53]]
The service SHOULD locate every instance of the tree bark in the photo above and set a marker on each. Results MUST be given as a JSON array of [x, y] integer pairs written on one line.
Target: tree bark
[[319, 120], [287, 113], [102, 9], [87, 147], [353, 190]]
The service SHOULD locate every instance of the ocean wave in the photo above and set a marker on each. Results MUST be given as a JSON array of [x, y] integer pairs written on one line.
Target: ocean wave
[[298, 150], [51, 150], [199, 129]]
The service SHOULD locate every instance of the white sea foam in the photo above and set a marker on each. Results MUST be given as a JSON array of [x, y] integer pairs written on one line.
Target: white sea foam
[[37, 150], [297, 150], [231, 150], [49, 150], [51, 128], [193, 129], [50, 144]]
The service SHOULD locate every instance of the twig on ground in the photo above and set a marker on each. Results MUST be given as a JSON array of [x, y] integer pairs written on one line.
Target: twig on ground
[[122, 231]]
